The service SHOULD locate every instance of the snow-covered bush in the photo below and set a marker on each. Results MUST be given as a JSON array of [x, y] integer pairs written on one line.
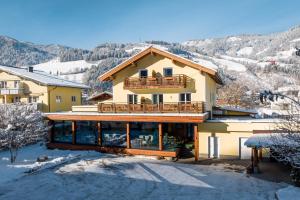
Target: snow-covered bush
[[286, 147], [20, 124]]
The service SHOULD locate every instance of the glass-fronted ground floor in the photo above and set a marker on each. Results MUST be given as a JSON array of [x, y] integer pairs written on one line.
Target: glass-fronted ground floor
[[149, 138]]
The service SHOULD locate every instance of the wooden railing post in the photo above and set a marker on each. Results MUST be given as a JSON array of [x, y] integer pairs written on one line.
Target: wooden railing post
[[128, 135], [160, 136], [74, 132], [99, 139], [196, 142]]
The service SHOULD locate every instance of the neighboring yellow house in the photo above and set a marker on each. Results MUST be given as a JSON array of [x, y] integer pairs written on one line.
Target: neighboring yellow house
[[161, 103], [52, 93]]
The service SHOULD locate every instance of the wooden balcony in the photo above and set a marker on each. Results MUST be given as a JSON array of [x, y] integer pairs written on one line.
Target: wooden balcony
[[171, 107], [10, 91], [175, 81]]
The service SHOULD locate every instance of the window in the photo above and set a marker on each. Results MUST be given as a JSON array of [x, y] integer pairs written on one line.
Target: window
[[132, 98], [17, 99], [33, 99], [3, 84], [73, 98], [185, 97], [143, 73], [58, 99], [16, 84], [157, 98], [168, 72]]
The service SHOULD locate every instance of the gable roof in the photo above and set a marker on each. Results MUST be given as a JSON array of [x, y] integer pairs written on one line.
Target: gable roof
[[150, 50], [41, 77], [101, 96]]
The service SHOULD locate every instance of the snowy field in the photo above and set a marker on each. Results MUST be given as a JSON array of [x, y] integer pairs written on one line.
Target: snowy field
[[91, 175]]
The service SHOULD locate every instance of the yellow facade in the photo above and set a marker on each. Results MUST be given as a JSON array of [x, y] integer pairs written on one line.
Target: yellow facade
[[202, 86], [229, 133], [45, 95]]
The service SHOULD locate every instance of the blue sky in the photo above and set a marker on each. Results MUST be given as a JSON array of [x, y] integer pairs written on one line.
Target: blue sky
[[86, 23]]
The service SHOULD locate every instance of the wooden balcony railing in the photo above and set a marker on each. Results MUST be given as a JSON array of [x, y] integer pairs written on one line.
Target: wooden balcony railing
[[7, 91], [171, 107], [175, 81]]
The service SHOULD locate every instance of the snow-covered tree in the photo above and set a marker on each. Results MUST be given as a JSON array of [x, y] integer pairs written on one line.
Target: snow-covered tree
[[20, 124]]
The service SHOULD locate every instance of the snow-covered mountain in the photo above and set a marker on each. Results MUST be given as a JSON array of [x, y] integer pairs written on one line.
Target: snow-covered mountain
[[258, 61]]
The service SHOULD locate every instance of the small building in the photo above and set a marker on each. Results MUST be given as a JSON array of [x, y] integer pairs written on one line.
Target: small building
[[100, 97], [27, 85]]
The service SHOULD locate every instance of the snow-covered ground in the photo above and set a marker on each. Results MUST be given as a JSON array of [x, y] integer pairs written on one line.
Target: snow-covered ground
[[104, 176], [27, 161]]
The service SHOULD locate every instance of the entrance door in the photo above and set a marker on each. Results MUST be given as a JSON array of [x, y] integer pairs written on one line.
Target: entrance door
[[213, 147], [245, 152]]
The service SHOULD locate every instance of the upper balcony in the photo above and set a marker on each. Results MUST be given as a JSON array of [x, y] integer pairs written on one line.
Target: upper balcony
[[166, 107], [11, 91], [175, 81]]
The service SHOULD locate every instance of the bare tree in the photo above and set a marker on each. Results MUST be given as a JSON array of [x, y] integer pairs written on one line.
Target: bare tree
[[20, 124], [236, 94]]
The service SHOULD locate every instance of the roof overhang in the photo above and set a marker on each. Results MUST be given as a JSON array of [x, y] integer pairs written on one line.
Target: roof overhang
[[152, 50]]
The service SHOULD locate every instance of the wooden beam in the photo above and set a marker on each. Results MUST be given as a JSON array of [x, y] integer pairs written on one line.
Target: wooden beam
[[196, 142], [99, 139], [125, 118], [112, 149], [128, 135], [51, 131], [260, 156], [73, 132], [160, 136]]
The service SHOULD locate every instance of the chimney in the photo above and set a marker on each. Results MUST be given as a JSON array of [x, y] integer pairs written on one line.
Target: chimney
[[30, 69]]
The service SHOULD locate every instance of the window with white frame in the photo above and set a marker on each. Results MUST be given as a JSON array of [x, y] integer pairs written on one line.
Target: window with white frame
[[185, 97], [58, 99], [73, 98], [143, 73], [132, 98], [3, 84], [157, 98], [168, 72], [33, 99]]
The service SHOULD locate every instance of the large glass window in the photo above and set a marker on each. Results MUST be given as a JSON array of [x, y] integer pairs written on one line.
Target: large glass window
[[62, 131], [113, 134], [144, 135], [86, 132]]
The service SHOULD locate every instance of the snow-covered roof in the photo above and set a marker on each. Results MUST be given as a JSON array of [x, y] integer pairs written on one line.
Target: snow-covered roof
[[244, 110], [269, 139], [41, 77], [98, 95]]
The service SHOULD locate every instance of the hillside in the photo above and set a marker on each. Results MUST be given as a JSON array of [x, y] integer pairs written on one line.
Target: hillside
[[257, 61]]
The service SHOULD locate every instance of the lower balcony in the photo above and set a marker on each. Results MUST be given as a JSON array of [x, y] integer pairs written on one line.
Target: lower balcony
[[11, 91], [166, 107]]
